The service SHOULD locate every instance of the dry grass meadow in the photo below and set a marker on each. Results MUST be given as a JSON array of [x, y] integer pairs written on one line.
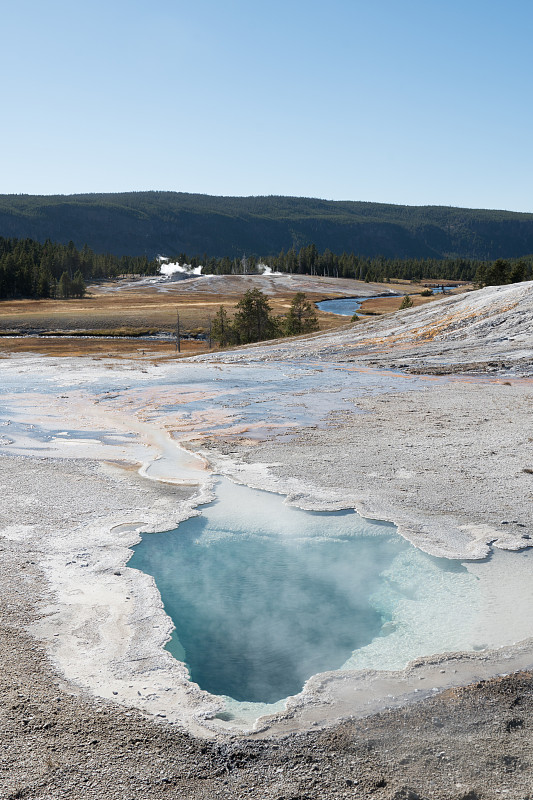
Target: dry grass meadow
[[124, 311]]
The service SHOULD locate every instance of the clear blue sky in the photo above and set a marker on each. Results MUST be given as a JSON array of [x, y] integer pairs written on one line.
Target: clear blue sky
[[398, 101]]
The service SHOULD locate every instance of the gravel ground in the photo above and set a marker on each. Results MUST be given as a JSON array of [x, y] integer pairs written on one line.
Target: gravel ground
[[461, 451], [57, 741], [451, 465], [465, 744], [470, 743], [486, 331]]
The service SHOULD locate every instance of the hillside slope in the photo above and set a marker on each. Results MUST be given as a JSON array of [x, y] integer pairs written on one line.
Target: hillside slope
[[489, 330], [168, 223]]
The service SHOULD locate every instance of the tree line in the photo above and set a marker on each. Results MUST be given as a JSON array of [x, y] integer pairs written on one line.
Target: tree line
[[503, 271], [38, 270], [309, 261], [34, 269]]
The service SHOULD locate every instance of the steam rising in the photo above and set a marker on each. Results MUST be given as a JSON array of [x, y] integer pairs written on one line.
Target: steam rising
[[264, 596], [168, 269]]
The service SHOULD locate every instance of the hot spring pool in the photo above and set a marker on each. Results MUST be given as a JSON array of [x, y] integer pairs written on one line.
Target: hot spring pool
[[264, 595]]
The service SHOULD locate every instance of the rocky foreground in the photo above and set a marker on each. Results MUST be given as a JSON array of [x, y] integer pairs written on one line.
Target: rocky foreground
[[465, 744], [470, 743], [485, 331]]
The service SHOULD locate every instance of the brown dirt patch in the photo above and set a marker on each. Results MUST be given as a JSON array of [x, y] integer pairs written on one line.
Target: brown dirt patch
[[139, 309], [386, 305], [99, 348]]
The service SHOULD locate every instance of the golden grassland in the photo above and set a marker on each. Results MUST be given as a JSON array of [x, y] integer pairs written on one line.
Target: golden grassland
[[386, 305], [122, 311], [133, 312], [100, 348]]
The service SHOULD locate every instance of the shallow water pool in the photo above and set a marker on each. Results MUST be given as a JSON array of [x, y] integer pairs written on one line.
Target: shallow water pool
[[261, 600], [264, 595]]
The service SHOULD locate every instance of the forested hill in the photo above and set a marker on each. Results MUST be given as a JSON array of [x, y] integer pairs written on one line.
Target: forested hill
[[169, 223]]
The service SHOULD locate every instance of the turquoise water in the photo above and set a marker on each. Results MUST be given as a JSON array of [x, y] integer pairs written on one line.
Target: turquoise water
[[346, 306], [263, 595]]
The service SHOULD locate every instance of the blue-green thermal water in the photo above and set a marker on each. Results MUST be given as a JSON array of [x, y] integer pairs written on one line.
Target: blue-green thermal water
[[264, 595]]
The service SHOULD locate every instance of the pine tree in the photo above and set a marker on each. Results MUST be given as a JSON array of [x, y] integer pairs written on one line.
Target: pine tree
[[253, 321], [498, 273], [43, 283], [65, 286], [302, 316], [518, 272], [77, 287], [221, 328]]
